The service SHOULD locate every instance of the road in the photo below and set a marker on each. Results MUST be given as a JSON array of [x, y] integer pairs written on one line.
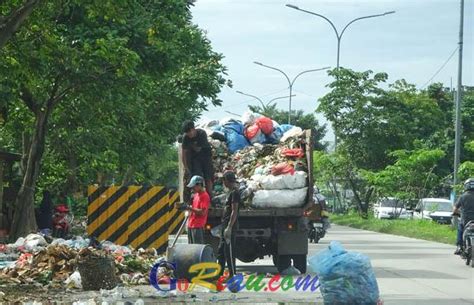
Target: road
[[409, 271]]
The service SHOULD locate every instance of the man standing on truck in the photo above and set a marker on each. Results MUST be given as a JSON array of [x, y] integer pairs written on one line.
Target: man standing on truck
[[226, 251], [198, 211], [197, 155]]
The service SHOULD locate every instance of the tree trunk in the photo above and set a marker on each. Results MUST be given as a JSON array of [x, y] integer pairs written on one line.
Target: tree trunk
[[71, 184], [24, 221], [10, 24], [128, 175]]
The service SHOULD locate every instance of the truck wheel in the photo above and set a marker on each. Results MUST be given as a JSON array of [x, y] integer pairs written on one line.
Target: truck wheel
[[299, 262], [316, 237], [281, 262], [472, 256]]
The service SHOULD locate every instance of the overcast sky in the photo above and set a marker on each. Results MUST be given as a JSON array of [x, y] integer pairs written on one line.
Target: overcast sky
[[412, 44]]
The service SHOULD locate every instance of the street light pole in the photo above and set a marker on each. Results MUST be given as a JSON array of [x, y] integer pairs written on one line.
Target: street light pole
[[457, 140], [255, 97], [338, 36], [290, 82], [260, 100]]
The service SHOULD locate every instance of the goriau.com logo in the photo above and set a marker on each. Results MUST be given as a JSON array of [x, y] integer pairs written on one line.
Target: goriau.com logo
[[206, 274]]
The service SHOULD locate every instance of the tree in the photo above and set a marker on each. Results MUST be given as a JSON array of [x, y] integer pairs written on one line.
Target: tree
[[107, 80], [14, 18], [299, 118], [411, 176]]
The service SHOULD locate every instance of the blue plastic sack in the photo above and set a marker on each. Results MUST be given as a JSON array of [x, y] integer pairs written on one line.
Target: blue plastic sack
[[275, 137], [235, 141], [234, 125], [285, 127], [345, 277]]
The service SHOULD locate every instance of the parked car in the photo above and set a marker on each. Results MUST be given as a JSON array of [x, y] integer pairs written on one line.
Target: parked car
[[436, 209], [389, 208]]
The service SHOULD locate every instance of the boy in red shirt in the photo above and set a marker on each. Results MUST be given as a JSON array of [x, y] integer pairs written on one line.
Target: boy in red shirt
[[198, 211]]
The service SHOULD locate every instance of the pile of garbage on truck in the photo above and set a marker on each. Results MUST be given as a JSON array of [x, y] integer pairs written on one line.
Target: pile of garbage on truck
[[269, 160], [41, 260]]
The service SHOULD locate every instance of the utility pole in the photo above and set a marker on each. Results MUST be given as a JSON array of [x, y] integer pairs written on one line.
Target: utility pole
[[457, 142]]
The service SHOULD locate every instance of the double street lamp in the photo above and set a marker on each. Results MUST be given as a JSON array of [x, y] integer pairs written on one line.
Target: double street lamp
[[264, 106], [339, 35], [290, 82]]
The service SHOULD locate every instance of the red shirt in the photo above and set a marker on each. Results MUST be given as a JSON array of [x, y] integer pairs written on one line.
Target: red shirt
[[200, 201]]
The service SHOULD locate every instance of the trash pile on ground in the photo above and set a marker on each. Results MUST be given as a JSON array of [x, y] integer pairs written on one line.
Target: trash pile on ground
[[34, 260], [269, 160], [345, 277]]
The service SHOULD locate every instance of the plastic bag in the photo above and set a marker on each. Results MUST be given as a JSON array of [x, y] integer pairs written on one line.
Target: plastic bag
[[279, 198], [345, 277], [293, 153], [283, 168], [265, 124], [282, 182], [251, 131], [74, 280], [249, 117], [259, 138], [235, 141], [286, 127], [292, 133], [275, 137], [234, 125]]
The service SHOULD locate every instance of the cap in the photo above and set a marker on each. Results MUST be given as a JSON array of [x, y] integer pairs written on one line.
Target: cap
[[196, 180]]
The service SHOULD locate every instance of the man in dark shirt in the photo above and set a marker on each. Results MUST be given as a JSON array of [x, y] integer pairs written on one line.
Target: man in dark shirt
[[465, 204], [197, 154], [226, 251]]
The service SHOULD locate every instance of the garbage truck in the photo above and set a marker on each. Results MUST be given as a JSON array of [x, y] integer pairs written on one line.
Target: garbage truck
[[279, 232]]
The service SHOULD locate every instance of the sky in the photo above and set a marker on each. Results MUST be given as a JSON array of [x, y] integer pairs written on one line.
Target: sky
[[412, 44]]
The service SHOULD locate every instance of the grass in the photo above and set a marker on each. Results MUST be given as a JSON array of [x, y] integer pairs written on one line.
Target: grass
[[421, 229]]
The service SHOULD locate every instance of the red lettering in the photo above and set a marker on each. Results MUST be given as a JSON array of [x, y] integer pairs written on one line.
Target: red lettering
[[183, 282], [275, 278], [220, 283]]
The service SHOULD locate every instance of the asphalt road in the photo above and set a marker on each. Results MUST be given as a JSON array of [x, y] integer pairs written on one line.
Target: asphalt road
[[409, 272]]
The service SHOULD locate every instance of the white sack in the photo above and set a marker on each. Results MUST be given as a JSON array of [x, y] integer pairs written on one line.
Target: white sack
[[292, 133], [282, 182], [279, 198]]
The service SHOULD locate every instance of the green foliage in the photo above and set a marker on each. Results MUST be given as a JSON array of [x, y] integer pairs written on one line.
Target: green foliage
[[411, 176], [122, 74], [298, 118], [421, 229]]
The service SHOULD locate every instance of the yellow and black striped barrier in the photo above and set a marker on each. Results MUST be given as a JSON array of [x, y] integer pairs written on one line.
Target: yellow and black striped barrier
[[139, 216]]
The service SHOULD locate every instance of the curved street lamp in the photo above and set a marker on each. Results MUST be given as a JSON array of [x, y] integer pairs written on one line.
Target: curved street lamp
[[290, 82], [339, 35], [264, 106]]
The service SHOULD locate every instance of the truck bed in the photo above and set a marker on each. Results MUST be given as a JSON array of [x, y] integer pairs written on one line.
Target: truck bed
[[217, 212]]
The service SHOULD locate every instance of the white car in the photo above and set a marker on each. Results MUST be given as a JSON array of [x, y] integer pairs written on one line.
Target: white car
[[436, 209], [389, 208]]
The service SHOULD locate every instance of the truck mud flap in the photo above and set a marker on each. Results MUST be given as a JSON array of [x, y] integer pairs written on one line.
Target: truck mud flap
[[290, 243]]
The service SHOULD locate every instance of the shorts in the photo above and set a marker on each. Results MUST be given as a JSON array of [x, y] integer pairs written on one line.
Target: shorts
[[195, 236], [201, 165]]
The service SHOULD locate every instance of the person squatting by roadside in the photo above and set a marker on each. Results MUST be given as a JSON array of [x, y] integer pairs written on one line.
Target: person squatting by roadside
[[226, 250]]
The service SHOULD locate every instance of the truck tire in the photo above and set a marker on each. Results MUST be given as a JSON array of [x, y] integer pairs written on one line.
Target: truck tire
[[299, 262], [281, 262]]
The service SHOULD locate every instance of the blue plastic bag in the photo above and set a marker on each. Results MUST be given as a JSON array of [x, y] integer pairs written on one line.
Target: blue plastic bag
[[275, 137], [345, 277], [285, 127], [234, 125], [235, 141]]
